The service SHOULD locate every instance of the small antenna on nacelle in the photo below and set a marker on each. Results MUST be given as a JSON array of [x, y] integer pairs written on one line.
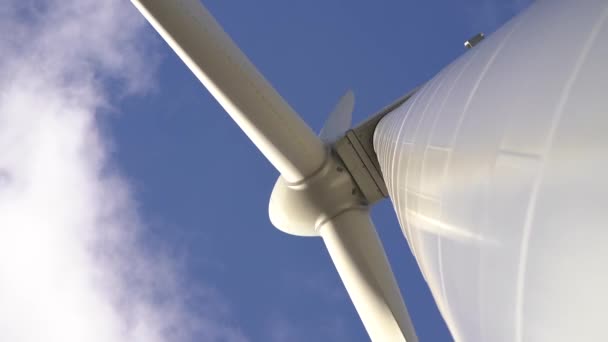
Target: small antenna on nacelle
[[474, 40]]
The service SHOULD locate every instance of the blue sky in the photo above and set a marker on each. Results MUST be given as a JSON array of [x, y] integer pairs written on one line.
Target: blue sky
[[197, 189]]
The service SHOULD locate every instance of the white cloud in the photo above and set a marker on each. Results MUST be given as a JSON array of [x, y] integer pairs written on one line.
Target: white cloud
[[71, 264]]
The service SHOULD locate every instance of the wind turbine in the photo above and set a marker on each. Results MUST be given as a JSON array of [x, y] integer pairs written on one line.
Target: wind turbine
[[484, 163], [315, 195]]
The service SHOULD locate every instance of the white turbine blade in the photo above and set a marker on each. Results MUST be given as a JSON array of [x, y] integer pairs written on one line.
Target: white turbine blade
[[358, 255], [340, 119], [273, 126]]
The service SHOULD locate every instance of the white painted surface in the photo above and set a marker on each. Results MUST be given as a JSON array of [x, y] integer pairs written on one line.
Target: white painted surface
[[273, 126], [339, 120], [498, 172], [357, 253]]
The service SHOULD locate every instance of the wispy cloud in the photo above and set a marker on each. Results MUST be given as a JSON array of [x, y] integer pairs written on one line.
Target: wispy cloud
[[72, 265]]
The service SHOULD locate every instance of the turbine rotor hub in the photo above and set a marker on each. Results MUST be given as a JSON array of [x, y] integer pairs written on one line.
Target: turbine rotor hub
[[301, 208]]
